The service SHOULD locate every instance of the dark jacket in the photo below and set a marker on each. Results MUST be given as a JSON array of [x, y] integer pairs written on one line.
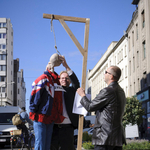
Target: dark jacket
[[69, 99], [109, 105]]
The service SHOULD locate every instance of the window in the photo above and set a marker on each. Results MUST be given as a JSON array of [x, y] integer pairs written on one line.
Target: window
[[18, 91], [2, 68], [18, 80], [129, 43], [144, 50], [6, 118], [125, 71], [3, 89], [138, 81], [138, 58], [125, 51], [129, 67], [2, 78], [137, 34], [4, 35], [133, 63], [0, 25], [143, 19], [2, 57], [4, 46], [4, 25], [144, 80], [132, 38]]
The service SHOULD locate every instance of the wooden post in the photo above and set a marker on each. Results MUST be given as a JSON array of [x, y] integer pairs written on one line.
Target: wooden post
[[84, 52]]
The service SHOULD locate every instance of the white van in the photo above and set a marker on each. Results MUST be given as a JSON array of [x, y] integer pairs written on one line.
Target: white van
[[6, 114]]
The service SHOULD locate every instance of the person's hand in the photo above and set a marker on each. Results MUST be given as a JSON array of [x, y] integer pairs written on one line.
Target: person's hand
[[63, 60], [91, 125], [81, 92], [64, 63]]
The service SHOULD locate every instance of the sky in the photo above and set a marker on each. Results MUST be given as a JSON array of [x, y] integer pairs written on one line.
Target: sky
[[34, 42]]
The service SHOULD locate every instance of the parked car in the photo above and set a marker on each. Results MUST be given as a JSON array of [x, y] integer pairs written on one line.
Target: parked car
[[6, 114], [89, 130]]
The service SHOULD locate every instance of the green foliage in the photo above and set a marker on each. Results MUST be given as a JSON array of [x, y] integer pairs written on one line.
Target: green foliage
[[87, 137], [133, 112], [88, 145], [131, 145], [137, 144]]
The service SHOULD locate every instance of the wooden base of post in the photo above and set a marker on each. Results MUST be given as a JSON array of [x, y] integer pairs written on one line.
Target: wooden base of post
[[80, 132]]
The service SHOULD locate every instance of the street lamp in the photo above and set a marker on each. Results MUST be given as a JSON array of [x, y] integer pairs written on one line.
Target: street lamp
[[1, 89]]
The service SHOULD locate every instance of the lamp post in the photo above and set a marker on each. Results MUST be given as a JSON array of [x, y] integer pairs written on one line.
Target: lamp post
[[1, 89]]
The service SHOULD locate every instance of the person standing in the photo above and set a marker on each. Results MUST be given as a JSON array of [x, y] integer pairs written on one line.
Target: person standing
[[63, 133], [46, 104], [109, 105]]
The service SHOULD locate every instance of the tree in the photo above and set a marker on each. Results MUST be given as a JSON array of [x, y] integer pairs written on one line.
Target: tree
[[133, 112]]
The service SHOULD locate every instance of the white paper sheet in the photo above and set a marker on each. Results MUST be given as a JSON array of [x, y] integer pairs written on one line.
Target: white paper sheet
[[77, 107]]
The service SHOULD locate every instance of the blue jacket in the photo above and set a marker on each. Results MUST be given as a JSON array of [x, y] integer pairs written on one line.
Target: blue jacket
[[24, 117]]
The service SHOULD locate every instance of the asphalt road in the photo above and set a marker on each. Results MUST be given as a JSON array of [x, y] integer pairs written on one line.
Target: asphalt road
[[7, 147]]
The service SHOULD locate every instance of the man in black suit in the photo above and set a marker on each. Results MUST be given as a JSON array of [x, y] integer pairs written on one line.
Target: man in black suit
[[109, 104], [63, 134]]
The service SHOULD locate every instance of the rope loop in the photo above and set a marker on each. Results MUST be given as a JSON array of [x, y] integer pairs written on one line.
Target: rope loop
[[52, 30]]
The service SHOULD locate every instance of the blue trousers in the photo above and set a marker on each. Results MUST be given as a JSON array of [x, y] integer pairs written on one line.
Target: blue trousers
[[43, 134]]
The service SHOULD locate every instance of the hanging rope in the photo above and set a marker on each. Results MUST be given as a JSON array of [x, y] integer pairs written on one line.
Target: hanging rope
[[52, 30]]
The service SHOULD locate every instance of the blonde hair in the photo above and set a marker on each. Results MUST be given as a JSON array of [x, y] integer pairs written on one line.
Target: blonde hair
[[62, 72]]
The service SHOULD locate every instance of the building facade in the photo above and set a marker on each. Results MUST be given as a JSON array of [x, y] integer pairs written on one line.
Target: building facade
[[131, 54], [6, 62], [9, 69], [19, 87], [139, 53], [116, 54]]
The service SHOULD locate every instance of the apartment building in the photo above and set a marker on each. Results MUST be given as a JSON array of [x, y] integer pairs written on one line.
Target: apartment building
[[19, 87], [131, 54], [116, 54], [139, 53], [9, 75], [6, 62]]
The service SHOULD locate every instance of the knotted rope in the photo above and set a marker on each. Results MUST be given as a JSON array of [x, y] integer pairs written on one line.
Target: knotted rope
[[52, 30]]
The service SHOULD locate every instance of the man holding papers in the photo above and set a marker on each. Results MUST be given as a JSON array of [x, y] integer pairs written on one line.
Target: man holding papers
[[109, 105]]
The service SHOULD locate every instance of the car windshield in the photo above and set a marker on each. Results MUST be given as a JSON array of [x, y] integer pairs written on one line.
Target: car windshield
[[6, 118]]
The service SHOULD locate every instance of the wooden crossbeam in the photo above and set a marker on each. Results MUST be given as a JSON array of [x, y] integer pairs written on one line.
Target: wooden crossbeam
[[66, 18]]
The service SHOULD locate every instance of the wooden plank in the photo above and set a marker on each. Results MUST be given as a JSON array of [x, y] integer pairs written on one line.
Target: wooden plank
[[66, 18], [86, 40], [84, 68], [71, 36]]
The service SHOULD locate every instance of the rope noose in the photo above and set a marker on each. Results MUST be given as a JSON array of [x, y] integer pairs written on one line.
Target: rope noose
[[52, 30]]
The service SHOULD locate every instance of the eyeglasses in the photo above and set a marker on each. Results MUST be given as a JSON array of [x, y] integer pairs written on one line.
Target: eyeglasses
[[64, 78], [107, 72]]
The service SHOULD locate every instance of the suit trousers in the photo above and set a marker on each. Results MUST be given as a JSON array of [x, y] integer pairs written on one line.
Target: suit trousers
[[107, 147], [63, 137]]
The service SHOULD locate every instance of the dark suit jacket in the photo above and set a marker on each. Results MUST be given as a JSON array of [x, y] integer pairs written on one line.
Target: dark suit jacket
[[69, 99], [109, 105]]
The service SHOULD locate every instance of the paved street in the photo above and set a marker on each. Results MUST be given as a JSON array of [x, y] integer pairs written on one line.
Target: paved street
[[7, 147]]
